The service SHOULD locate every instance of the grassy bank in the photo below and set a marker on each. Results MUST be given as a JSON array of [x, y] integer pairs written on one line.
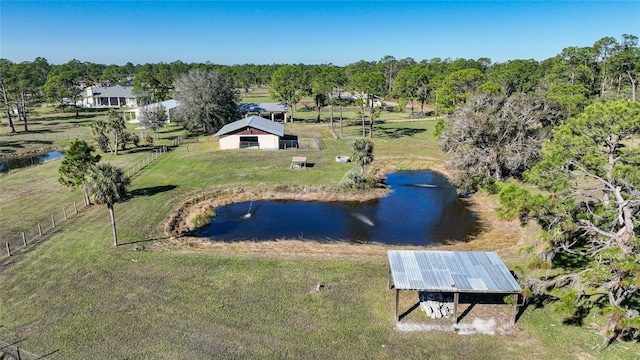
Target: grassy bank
[[150, 298]]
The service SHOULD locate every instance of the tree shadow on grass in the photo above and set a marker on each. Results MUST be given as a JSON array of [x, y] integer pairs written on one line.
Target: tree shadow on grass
[[141, 248], [395, 133], [150, 191]]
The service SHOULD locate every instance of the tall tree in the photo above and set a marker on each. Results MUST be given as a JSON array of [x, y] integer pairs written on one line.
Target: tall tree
[[63, 89], [207, 100], [78, 159], [30, 77], [321, 89], [7, 80], [153, 116], [412, 83], [370, 85], [592, 174], [288, 84], [107, 184], [491, 138], [457, 87]]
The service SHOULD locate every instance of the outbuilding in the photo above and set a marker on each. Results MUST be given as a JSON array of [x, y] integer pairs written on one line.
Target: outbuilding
[[451, 273], [251, 132]]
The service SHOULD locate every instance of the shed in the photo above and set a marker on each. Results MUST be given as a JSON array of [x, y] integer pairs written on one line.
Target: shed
[[298, 162], [453, 272], [275, 111], [251, 132]]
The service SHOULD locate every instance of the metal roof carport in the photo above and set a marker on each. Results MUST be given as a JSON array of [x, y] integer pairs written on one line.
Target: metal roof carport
[[454, 272]]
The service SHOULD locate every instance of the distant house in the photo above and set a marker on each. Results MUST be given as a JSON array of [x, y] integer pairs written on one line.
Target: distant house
[[251, 132], [108, 96], [171, 106], [274, 111]]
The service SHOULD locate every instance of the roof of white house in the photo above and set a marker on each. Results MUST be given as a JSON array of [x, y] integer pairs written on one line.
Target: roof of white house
[[168, 104], [254, 122], [262, 107], [111, 91]]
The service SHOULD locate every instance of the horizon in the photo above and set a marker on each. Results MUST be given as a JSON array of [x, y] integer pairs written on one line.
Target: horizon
[[312, 33]]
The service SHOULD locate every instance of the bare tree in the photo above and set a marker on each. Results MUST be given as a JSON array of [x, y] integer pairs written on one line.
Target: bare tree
[[153, 116], [491, 138], [207, 100]]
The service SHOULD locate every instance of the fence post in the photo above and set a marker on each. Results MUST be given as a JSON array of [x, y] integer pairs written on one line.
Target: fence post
[[39, 229], [75, 207], [24, 239], [8, 249], [64, 211], [53, 221]]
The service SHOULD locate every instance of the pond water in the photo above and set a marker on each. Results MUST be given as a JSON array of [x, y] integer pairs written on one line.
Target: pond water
[[7, 165], [422, 208]]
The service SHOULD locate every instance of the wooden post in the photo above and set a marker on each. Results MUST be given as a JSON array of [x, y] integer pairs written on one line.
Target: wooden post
[[39, 229], [397, 303], [53, 221], [456, 298], [514, 309], [8, 249], [389, 278], [24, 239], [64, 211], [75, 207]]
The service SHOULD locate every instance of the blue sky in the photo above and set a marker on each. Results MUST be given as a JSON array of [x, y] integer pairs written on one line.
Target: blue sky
[[310, 32]]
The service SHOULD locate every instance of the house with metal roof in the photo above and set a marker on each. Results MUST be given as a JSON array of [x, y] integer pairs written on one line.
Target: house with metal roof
[[252, 132], [109, 96], [274, 111]]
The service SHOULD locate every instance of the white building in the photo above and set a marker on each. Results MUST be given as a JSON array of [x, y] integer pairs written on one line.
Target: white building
[[251, 132], [108, 96], [171, 106]]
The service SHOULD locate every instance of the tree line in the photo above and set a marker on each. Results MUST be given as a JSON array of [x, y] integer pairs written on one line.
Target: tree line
[[609, 69]]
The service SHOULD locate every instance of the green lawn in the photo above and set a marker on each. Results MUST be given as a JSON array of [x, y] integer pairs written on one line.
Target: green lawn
[[151, 299]]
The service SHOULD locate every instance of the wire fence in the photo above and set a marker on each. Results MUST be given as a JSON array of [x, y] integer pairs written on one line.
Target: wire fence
[[42, 227], [43, 136], [14, 352]]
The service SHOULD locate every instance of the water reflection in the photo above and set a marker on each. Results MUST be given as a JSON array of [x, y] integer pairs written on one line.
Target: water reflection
[[422, 208], [16, 163]]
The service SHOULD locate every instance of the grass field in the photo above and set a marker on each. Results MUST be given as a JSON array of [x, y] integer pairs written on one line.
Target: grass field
[[77, 296]]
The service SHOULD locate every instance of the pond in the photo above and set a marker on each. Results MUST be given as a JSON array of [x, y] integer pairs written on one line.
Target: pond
[[7, 165], [422, 208]]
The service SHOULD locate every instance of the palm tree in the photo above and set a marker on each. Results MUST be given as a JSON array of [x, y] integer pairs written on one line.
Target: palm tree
[[116, 124], [362, 153], [106, 184]]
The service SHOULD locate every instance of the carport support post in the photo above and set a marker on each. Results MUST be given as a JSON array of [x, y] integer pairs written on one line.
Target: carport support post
[[456, 298], [397, 302], [513, 310]]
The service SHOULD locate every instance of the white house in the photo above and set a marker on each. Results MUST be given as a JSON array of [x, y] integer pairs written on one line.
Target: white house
[[108, 96], [251, 132], [133, 115]]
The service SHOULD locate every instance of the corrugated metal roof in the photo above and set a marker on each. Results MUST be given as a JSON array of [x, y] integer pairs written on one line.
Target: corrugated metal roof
[[451, 271], [262, 107], [255, 122]]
